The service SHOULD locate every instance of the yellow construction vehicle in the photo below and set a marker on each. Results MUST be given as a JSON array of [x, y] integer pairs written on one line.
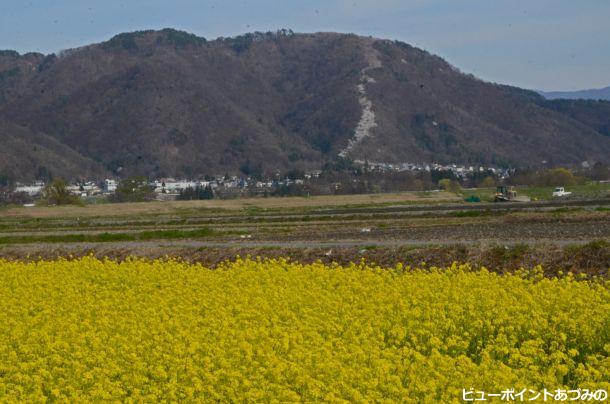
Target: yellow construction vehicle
[[506, 193]]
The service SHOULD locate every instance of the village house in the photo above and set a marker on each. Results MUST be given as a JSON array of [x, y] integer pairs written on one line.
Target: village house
[[34, 189]]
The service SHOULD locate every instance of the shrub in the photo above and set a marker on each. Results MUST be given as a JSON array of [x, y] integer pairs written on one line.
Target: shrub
[[56, 193], [198, 193], [134, 189], [449, 185]]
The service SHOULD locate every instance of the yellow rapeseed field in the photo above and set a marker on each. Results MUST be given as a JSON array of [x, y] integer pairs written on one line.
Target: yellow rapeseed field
[[258, 330]]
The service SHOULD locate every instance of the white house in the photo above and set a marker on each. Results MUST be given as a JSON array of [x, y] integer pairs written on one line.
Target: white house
[[32, 190], [171, 186], [109, 186]]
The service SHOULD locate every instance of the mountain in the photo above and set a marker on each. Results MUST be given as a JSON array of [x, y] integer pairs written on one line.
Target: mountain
[[27, 155], [595, 114], [169, 103], [594, 94]]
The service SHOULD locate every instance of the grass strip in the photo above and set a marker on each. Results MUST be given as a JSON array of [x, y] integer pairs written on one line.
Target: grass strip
[[112, 237]]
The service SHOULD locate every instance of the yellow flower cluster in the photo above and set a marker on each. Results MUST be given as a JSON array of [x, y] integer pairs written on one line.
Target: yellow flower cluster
[[265, 330]]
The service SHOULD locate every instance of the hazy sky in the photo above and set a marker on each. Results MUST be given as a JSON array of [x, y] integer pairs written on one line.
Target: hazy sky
[[541, 44]]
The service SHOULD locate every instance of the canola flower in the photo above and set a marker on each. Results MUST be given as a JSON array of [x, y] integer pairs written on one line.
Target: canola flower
[[272, 330]]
